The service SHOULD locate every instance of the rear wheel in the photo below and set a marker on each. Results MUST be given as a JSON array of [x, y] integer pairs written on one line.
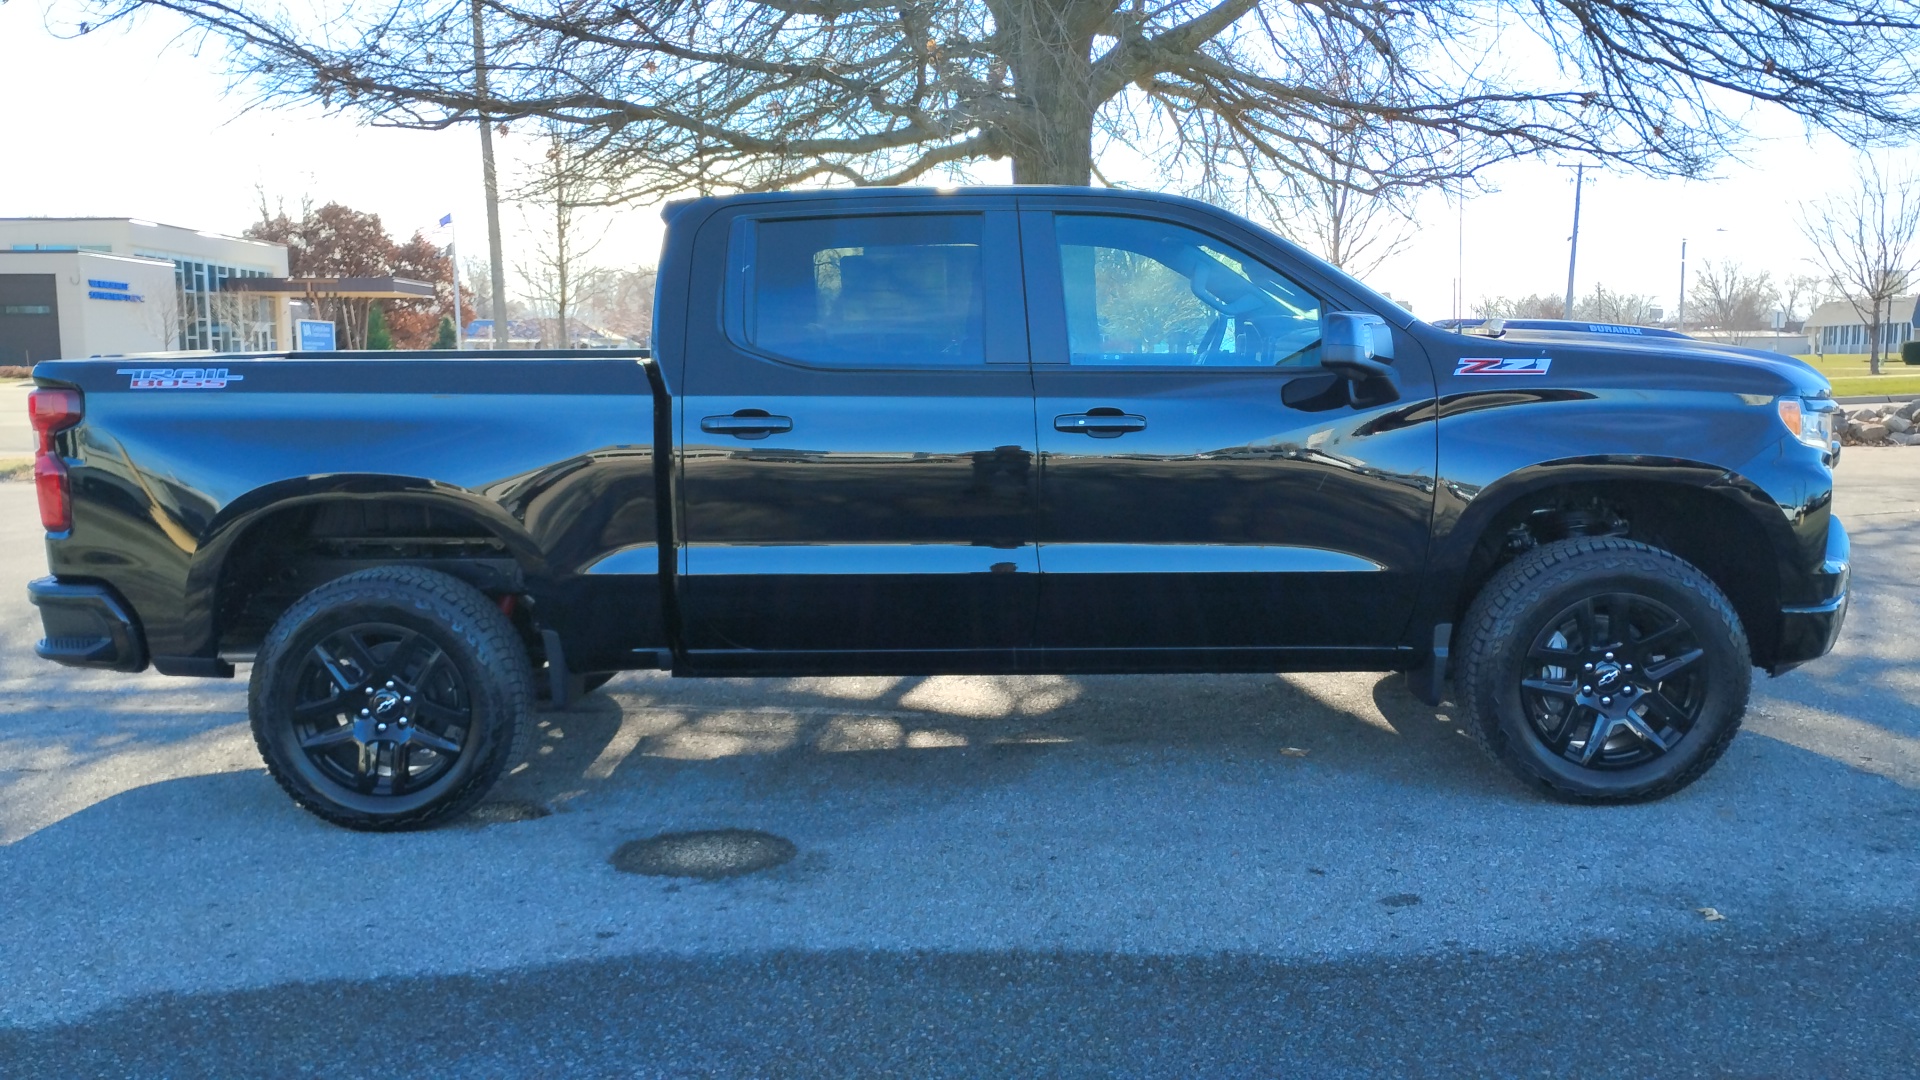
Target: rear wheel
[[1604, 670], [392, 698]]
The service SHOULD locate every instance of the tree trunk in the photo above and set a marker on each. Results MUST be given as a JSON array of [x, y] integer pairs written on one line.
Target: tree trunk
[[1873, 348], [1052, 65]]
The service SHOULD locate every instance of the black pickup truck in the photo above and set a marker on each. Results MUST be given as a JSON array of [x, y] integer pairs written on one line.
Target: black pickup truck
[[919, 431]]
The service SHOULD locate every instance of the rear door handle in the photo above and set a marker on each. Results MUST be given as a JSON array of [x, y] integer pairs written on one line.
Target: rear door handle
[[1100, 423], [746, 424]]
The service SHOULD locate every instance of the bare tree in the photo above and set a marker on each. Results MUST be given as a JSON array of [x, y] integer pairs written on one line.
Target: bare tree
[[668, 96], [560, 278], [1536, 306], [1863, 242], [624, 304], [1603, 305], [1800, 289], [1338, 213], [1727, 297]]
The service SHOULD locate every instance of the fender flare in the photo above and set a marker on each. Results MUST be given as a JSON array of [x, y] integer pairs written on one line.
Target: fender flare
[[236, 519], [1461, 518]]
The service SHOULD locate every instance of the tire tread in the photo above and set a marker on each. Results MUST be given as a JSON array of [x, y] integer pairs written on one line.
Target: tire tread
[[464, 611], [1492, 625]]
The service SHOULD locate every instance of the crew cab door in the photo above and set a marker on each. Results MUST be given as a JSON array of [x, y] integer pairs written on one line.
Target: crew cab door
[[1207, 490], [857, 439]]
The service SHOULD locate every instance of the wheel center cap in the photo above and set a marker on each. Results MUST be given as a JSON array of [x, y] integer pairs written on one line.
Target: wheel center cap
[[384, 720], [1607, 678]]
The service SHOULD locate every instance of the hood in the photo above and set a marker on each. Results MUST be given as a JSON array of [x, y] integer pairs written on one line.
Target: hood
[[1804, 377]]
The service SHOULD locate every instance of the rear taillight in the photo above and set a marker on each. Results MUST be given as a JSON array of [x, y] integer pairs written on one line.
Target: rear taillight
[[56, 500], [51, 412]]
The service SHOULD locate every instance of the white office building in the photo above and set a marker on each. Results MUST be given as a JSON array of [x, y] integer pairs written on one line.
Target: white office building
[[77, 287], [1836, 327]]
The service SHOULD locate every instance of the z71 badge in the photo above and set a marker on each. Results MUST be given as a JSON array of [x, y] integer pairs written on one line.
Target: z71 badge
[[1508, 365], [186, 378]]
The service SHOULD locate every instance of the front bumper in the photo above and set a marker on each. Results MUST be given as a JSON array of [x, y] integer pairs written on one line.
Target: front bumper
[[1808, 631], [87, 625]]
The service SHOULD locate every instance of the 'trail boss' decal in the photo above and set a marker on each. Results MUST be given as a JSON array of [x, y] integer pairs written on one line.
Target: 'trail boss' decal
[[191, 378], [1508, 365]]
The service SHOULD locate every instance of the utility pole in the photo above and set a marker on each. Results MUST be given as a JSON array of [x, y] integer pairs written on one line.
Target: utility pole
[[498, 267], [1460, 259], [1573, 251]]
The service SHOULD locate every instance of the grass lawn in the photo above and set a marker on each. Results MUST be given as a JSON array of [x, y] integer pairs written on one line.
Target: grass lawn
[[1850, 378]]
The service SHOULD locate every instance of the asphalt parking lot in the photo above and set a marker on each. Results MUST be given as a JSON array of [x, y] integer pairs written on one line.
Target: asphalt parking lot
[[1231, 875]]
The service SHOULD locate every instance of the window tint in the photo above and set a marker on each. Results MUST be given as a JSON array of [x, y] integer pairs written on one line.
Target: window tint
[[1144, 292], [897, 291]]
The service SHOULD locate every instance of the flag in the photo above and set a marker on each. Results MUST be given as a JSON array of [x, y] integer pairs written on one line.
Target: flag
[[448, 220]]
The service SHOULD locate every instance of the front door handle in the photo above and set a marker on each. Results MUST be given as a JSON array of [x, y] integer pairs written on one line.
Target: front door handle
[[1100, 423], [746, 424]]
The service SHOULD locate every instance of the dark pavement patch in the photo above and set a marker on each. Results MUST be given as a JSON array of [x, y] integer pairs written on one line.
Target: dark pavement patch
[[711, 853]]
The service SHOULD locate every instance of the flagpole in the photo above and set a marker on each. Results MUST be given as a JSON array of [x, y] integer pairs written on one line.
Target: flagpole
[[453, 256]]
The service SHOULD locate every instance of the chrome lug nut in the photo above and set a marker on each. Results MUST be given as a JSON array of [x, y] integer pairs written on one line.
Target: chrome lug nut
[[1627, 667], [403, 721], [407, 700], [1609, 656], [1603, 701], [1586, 689], [390, 681], [366, 712], [1589, 668], [380, 727]]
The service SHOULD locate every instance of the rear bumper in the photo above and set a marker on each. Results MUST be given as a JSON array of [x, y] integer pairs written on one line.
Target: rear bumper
[[86, 626], [1808, 631]]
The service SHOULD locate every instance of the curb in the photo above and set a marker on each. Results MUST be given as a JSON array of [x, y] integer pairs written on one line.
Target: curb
[[1880, 399]]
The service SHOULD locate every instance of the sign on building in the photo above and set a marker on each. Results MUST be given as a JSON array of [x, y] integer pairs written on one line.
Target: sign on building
[[316, 335]]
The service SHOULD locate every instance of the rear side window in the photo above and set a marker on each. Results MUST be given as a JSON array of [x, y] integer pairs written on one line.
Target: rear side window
[[881, 291]]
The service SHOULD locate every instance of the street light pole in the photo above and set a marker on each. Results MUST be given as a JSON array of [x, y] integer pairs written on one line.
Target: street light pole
[[1680, 311], [1573, 252]]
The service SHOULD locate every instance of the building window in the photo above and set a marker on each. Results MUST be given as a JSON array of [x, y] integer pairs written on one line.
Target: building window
[[212, 318]]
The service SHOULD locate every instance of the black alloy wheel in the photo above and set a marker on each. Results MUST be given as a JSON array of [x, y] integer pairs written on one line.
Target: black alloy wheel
[[1603, 670], [381, 709], [1614, 680], [391, 698]]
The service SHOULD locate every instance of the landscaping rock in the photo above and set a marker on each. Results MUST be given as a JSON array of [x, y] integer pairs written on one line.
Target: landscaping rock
[[1872, 433], [1898, 423], [1909, 411]]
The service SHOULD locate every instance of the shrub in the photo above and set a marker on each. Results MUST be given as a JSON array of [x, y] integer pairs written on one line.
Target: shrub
[[1910, 353], [378, 336], [446, 339]]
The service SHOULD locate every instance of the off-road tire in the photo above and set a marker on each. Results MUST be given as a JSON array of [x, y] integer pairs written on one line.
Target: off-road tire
[[477, 639], [1519, 602]]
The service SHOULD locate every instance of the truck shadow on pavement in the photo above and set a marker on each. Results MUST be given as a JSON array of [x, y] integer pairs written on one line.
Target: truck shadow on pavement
[[644, 730]]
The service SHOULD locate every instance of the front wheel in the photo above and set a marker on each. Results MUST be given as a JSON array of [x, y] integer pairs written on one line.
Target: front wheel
[[1604, 670], [391, 698]]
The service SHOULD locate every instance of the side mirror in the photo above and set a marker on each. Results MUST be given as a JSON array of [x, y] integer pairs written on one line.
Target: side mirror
[[1346, 346]]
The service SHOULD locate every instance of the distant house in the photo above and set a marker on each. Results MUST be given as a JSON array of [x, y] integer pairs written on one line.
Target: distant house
[[1836, 328], [530, 333]]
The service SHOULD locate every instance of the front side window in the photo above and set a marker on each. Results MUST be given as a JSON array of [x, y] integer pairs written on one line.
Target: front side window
[[882, 291], [1142, 292]]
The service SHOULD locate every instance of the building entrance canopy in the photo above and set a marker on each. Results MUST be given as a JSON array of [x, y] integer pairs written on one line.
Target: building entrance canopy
[[342, 288]]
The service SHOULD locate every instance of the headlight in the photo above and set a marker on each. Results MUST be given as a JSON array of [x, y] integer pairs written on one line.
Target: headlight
[[1809, 419]]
